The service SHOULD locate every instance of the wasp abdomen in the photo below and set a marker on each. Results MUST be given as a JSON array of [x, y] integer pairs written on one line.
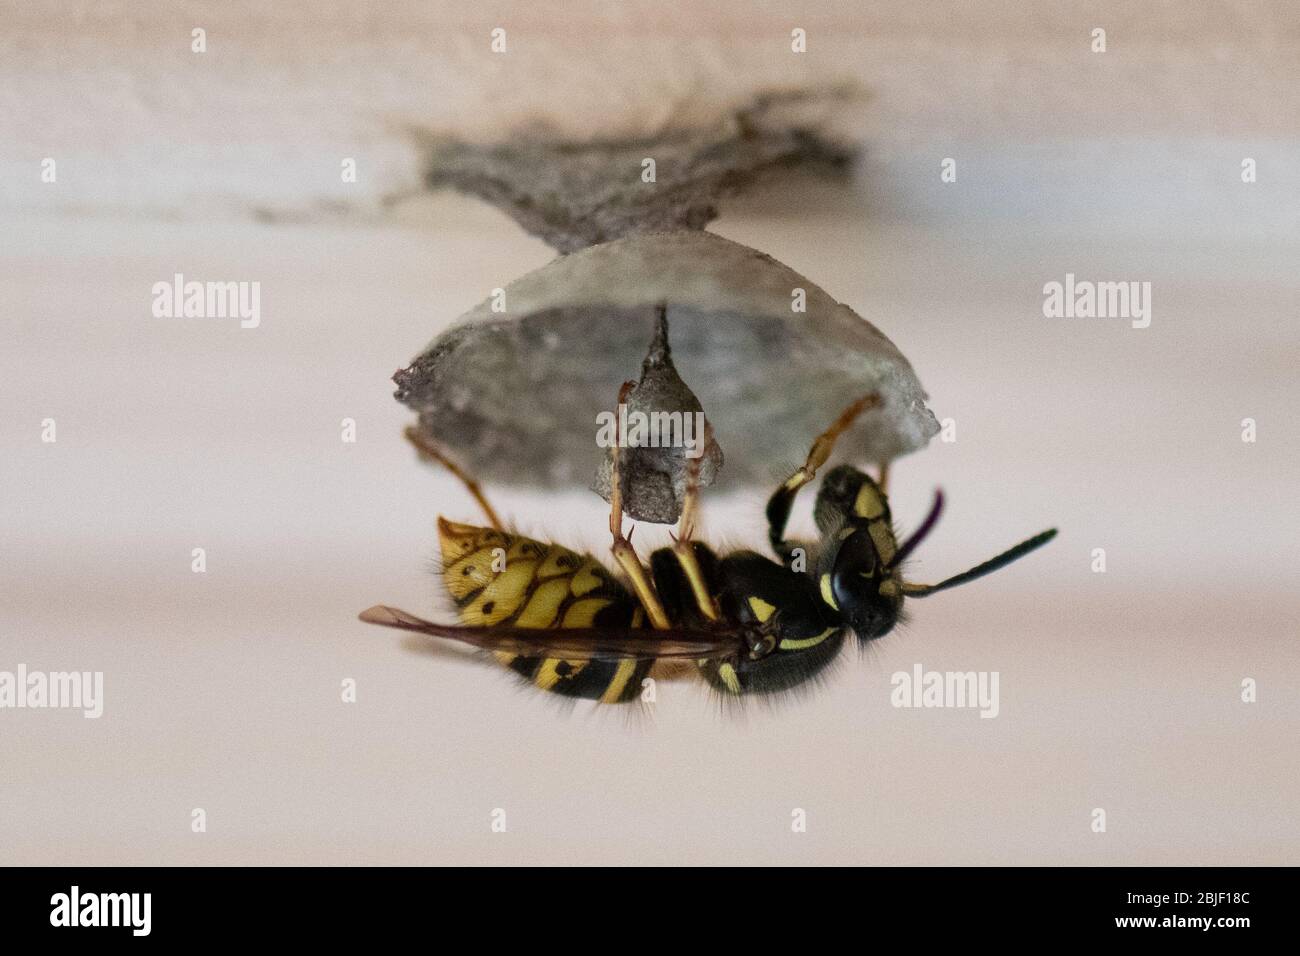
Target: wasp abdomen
[[497, 578]]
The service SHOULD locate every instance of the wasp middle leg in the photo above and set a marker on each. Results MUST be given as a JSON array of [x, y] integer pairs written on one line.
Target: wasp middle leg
[[782, 500]]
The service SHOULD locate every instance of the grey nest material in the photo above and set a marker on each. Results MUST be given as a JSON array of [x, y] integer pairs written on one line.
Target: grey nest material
[[654, 478], [577, 194], [516, 396]]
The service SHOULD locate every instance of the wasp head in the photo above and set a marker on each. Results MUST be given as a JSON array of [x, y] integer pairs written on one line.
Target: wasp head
[[857, 569], [860, 568], [861, 587]]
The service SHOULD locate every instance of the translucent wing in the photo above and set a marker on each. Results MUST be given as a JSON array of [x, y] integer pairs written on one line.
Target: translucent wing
[[574, 644]]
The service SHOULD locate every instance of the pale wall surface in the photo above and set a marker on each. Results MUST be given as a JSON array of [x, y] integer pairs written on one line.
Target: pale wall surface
[[1118, 690]]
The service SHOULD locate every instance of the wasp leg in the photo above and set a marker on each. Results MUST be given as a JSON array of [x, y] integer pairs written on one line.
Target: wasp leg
[[883, 483], [431, 452], [622, 548], [782, 500], [684, 547]]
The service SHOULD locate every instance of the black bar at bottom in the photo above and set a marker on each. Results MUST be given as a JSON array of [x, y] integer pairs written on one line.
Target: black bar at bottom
[[330, 906]]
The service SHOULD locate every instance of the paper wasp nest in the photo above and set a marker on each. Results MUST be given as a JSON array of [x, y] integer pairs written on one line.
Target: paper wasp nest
[[518, 395]]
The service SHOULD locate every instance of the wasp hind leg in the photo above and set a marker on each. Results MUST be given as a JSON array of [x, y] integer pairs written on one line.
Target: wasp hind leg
[[622, 548], [430, 452], [782, 500], [684, 545]]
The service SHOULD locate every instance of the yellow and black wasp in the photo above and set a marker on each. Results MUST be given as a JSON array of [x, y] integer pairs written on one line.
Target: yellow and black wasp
[[747, 623]]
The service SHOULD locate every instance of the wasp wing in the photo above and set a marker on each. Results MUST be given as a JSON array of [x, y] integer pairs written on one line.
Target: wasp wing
[[574, 644]]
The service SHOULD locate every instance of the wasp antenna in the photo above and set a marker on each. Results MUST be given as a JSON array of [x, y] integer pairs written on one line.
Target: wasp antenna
[[988, 567], [926, 527]]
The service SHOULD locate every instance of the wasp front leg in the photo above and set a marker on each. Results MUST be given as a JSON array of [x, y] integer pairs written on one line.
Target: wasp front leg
[[782, 500], [622, 548]]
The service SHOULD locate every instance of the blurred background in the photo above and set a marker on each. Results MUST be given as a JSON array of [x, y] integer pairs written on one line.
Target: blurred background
[[1119, 690]]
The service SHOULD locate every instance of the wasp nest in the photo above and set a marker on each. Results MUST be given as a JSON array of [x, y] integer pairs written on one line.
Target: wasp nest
[[520, 396]]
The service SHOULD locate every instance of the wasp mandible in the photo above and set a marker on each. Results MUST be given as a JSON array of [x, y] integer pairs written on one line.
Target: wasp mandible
[[749, 624]]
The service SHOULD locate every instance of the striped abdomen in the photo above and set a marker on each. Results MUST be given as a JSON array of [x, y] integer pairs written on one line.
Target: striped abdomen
[[504, 579]]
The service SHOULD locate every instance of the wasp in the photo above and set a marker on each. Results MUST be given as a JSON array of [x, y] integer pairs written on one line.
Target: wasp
[[747, 623]]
